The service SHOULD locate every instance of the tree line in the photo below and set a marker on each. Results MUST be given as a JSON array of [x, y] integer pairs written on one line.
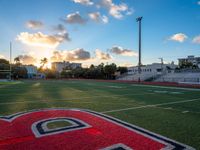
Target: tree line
[[16, 70], [101, 71]]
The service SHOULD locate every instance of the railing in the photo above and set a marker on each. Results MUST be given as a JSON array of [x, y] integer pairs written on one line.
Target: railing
[[165, 79], [122, 75], [187, 71]]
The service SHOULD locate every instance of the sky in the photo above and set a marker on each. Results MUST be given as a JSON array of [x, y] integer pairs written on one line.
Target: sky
[[95, 31]]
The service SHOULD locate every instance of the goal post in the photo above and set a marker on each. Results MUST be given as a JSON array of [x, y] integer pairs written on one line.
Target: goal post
[[6, 69], [4, 75]]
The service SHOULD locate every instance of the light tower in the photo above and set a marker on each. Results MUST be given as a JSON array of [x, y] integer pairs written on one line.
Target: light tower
[[10, 76], [139, 19]]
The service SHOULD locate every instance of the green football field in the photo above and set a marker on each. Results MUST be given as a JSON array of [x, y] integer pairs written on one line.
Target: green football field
[[169, 111]]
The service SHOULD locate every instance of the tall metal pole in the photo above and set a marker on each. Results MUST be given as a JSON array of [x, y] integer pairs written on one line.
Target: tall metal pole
[[139, 19], [10, 60], [161, 59]]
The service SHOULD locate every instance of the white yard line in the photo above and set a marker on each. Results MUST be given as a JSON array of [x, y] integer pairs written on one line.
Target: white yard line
[[68, 100], [76, 90], [145, 106]]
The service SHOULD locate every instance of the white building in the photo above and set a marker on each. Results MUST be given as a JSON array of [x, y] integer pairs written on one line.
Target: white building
[[31, 70], [155, 68], [190, 59], [75, 65], [59, 66], [148, 71]]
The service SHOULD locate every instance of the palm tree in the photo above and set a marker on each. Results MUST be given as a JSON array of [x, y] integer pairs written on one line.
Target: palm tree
[[17, 60], [43, 62]]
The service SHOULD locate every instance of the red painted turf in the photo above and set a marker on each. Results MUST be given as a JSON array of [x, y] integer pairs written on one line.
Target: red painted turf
[[18, 135]]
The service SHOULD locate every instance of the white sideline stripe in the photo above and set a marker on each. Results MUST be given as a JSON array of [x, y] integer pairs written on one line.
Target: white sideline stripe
[[68, 100], [145, 106], [165, 87]]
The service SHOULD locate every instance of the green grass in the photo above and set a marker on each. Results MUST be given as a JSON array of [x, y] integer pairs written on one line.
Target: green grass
[[58, 124], [178, 121]]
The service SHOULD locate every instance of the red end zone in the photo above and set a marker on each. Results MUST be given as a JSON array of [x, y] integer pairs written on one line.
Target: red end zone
[[87, 131]]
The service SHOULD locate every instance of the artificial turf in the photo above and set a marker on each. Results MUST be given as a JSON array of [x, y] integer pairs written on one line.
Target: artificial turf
[[179, 121]]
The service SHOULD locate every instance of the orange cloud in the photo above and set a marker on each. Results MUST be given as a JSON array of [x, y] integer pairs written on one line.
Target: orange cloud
[[179, 37], [196, 39], [101, 55], [121, 51], [43, 40], [32, 24]]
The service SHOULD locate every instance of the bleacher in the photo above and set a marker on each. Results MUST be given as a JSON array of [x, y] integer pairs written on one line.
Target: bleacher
[[183, 77], [135, 77]]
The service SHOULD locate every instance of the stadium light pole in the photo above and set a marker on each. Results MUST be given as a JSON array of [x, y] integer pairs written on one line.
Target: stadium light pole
[[139, 19], [10, 60]]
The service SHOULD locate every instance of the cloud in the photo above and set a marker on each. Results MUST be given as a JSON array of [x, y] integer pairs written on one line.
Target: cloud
[[62, 34], [1, 56], [130, 11], [34, 24], [179, 37], [97, 17], [198, 3], [117, 11], [126, 64], [59, 28], [77, 54], [57, 56], [101, 55], [105, 19], [75, 18], [74, 55], [26, 59], [43, 40], [196, 39], [81, 56], [121, 51], [84, 2], [62, 37]]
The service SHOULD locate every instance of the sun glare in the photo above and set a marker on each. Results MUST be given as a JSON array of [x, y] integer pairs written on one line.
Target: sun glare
[[48, 65]]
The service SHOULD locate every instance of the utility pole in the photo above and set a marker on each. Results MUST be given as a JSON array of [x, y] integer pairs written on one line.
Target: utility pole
[[139, 19], [10, 61]]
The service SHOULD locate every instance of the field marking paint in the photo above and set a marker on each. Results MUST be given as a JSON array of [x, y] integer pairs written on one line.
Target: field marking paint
[[119, 146], [169, 143], [114, 86], [76, 90], [176, 93], [36, 84], [185, 112], [154, 105], [165, 92], [64, 129], [161, 92], [68, 100], [111, 86], [165, 87]]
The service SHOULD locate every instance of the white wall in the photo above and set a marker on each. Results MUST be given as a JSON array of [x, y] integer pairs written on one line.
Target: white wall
[[31, 69]]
